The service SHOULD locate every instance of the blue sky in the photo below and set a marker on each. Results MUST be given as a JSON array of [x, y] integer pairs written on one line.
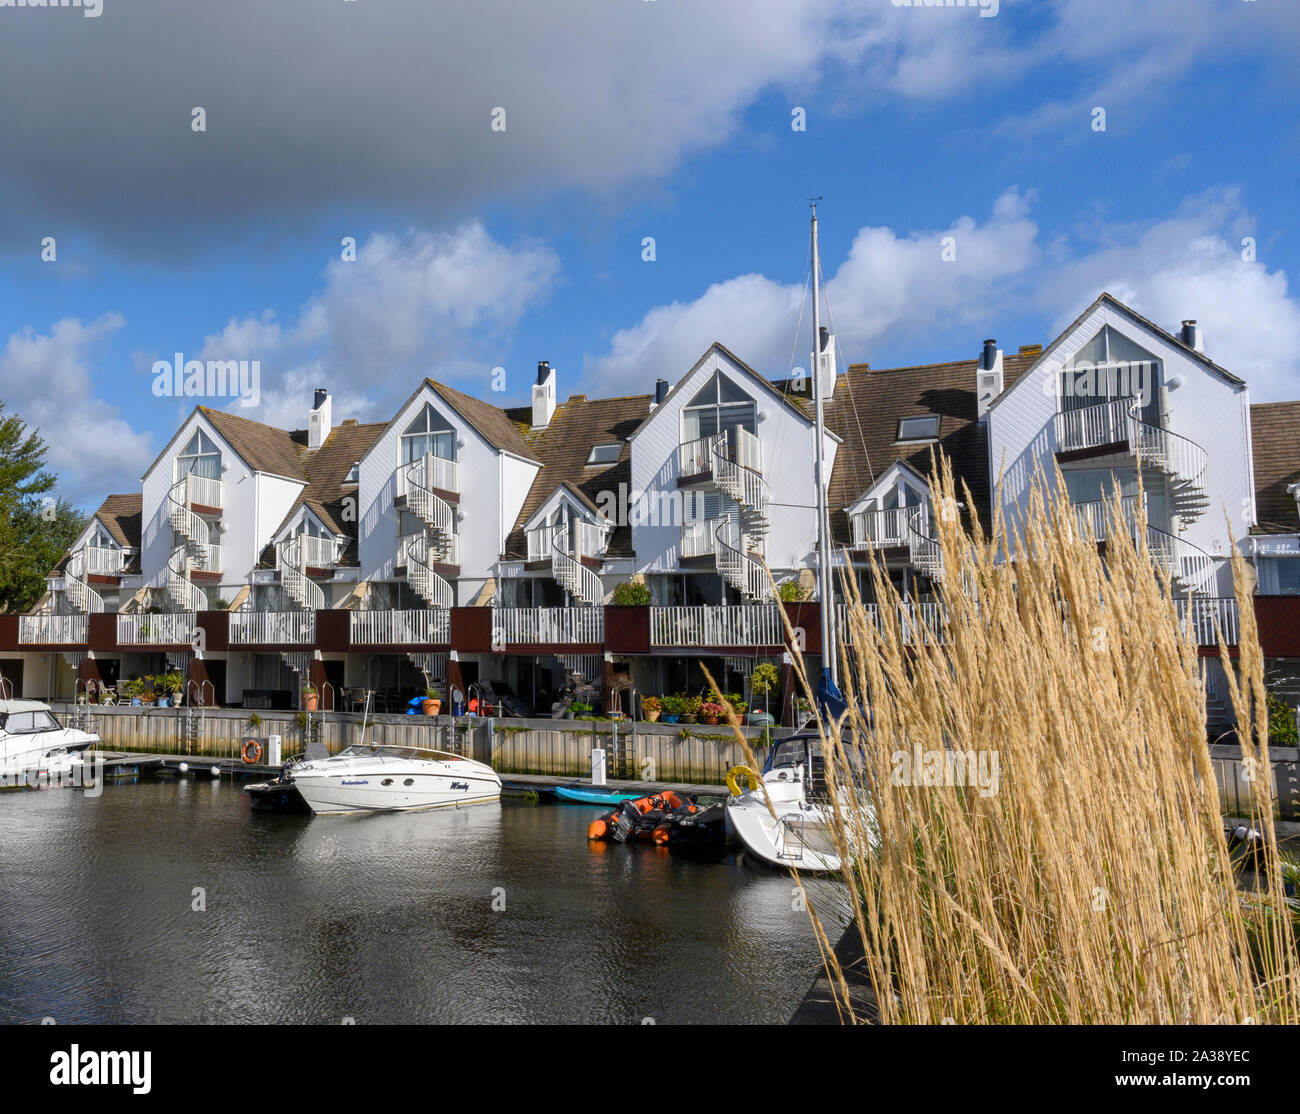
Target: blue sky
[[625, 119]]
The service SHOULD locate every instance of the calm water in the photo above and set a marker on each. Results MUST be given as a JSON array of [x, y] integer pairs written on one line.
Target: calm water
[[379, 918]]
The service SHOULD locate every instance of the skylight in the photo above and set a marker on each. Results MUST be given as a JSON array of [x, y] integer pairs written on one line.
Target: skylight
[[924, 428], [605, 454]]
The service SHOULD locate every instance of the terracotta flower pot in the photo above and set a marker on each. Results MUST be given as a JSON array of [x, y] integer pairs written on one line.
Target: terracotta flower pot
[[431, 706], [652, 717], [310, 700], [710, 719]]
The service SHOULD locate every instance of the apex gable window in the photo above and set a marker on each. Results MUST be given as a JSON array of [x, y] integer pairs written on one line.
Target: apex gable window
[[200, 457], [719, 407], [354, 473], [1108, 368], [925, 427], [605, 454], [430, 434]]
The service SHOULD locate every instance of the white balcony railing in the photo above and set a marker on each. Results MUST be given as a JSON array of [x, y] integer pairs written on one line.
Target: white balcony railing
[[1208, 615], [579, 540], [53, 630], [249, 628], [169, 629], [317, 553], [204, 491], [881, 529], [401, 628], [512, 626], [753, 624], [698, 538], [1106, 423], [432, 472], [1096, 514], [102, 561]]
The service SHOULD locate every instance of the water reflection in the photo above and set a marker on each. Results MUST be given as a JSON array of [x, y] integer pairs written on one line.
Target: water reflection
[[171, 901]]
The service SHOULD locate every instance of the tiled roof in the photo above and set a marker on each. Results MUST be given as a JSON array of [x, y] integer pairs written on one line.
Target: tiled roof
[[326, 468], [563, 448], [491, 421], [121, 516], [1275, 432], [264, 448], [865, 410]]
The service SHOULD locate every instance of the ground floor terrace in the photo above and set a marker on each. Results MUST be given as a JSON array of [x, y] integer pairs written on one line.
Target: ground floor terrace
[[525, 661]]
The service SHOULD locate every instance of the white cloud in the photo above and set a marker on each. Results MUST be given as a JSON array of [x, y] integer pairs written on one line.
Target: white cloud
[[46, 380], [894, 287], [421, 304]]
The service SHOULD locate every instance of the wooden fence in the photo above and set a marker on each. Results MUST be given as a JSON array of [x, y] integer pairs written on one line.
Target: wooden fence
[[693, 753]]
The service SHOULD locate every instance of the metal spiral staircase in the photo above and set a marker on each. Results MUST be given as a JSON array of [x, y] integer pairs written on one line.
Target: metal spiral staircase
[[181, 589], [294, 579], [429, 507], [573, 576], [1181, 460], [76, 587], [924, 551], [421, 555], [748, 527]]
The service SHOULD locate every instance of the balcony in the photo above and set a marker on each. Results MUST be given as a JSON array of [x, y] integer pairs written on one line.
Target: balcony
[[1209, 615], [448, 552], [547, 626], [401, 628], [199, 491], [173, 629], [918, 623], [102, 561], [1095, 515], [272, 628], [53, 630], [885, 529], [707, 455], [578, 540], [314, 553], [432, 473], [755, 624]]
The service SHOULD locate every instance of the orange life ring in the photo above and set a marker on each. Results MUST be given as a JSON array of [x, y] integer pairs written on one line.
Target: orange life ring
[[251, 752]]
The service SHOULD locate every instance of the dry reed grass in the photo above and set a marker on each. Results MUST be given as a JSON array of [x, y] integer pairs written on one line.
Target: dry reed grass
[[1094, 885]]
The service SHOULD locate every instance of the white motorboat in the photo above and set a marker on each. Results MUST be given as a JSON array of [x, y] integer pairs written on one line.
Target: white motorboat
[[33, 744], [795, 831], [373, 778]]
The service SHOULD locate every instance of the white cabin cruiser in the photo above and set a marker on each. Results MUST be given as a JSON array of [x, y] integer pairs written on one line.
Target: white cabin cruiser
[[34, 744], [373, 778], [798, 836]]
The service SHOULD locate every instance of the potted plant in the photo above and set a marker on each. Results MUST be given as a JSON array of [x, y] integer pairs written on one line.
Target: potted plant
[[765, 680], [148, 692], [673, 708], [310, 697], [631, 593], [738, 703], [790, 591], [651, 706], [134, 689], [711, 712], [432, 702], [691, 708]]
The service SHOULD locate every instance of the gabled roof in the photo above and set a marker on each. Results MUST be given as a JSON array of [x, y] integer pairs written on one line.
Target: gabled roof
[[264, 448], [563, 447], [121, 516], [783, 396], [902, 466], [866, 408], [490, 421], [1110, 300], [326, 468], [1275, 433]]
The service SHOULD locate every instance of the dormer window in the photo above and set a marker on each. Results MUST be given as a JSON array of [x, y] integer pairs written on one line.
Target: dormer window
[[354, 473], [605, 454], [200, 457], [429, 435], [921, 428], [719, 407]]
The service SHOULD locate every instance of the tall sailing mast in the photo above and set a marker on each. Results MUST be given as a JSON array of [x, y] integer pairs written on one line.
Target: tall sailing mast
[[830, 669]]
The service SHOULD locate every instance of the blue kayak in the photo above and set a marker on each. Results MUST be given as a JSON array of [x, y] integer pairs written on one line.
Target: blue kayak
[[593, 796]]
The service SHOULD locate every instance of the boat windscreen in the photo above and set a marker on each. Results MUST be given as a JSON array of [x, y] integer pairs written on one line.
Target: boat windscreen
[[29, 723]]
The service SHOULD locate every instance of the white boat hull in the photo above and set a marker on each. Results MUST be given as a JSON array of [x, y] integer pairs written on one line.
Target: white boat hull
[[796, 838], [399, 785]]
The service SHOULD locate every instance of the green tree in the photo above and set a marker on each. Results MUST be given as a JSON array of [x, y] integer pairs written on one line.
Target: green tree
[[35, 527]]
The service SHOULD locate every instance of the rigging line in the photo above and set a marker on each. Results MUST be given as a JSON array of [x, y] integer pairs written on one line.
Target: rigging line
[[857, 421], [794, 348]]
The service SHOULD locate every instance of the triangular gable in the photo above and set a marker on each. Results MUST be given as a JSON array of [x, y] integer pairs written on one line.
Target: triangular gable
[[889, 478], [566, 492], [1155, 335]]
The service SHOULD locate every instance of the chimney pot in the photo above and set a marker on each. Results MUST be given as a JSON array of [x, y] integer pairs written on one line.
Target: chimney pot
[[543, 370], [661, 390], [990, 355], [1191, 336]]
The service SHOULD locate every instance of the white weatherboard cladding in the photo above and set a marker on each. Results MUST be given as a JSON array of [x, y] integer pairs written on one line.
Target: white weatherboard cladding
[[493, 486], [241, 515], [1206, 408], [788, 441]]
